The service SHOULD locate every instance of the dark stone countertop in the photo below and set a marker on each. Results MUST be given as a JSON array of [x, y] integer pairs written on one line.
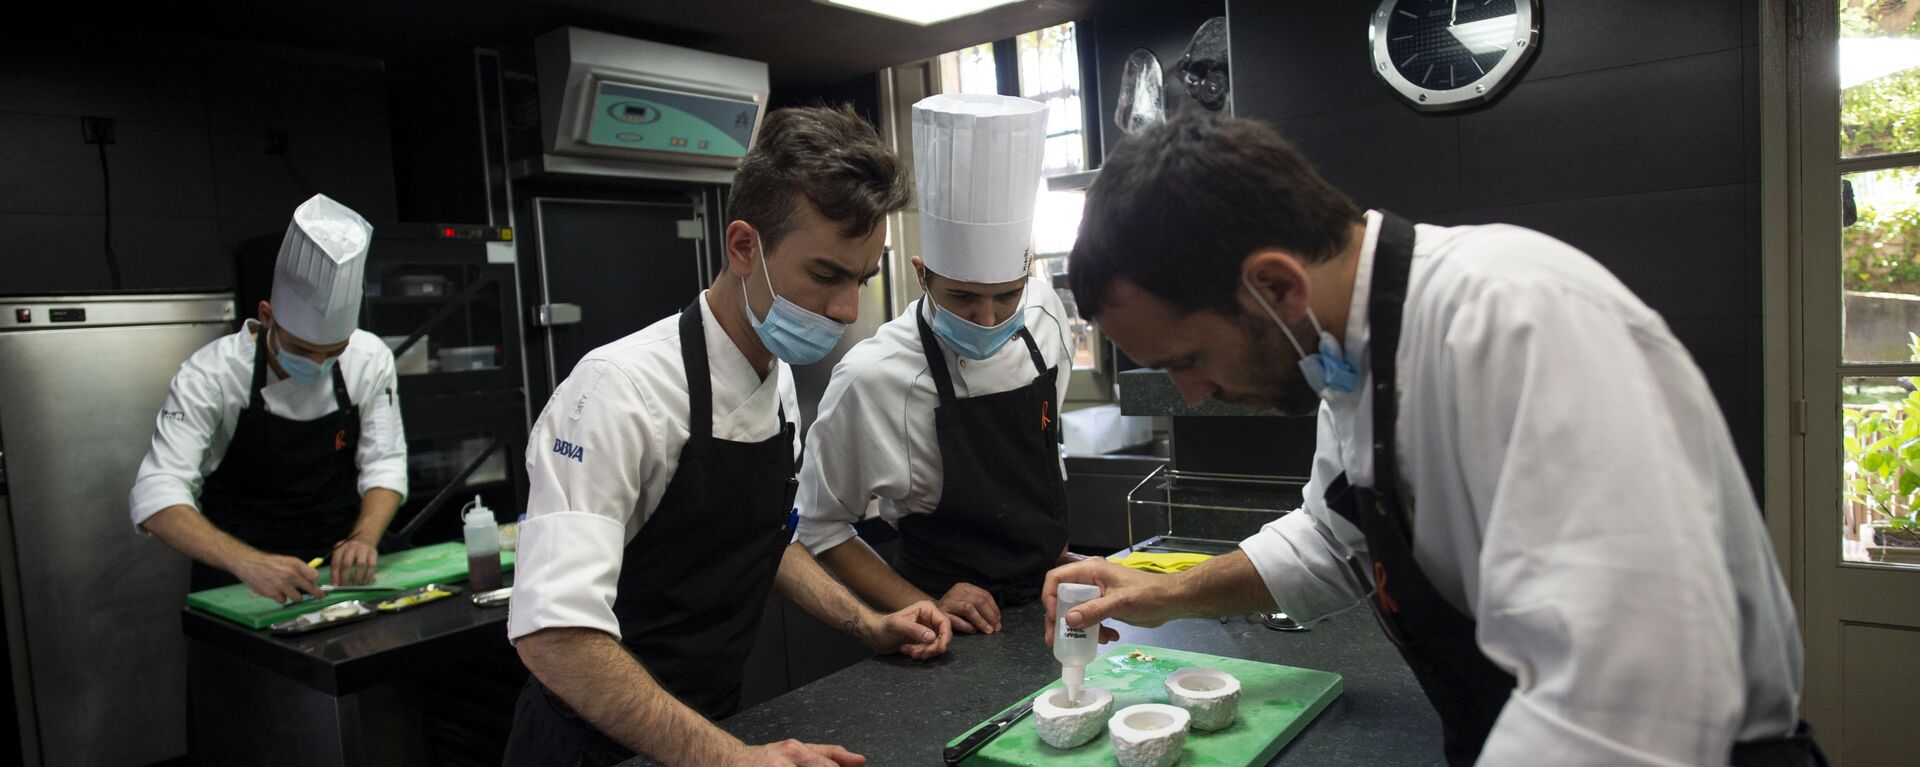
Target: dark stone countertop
[[898, 712], [350, 658]]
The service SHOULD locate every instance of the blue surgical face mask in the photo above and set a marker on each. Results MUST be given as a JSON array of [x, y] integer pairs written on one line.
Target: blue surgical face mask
[[974, 342], [795, 335], [298, 368], [1327, 371]]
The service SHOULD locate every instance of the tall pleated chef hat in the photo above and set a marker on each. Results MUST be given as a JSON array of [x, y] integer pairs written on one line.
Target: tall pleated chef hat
[[976, 164], [317, 278]]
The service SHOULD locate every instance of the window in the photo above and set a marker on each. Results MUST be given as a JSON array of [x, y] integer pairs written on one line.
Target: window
[[1878, 164], [970, 70]]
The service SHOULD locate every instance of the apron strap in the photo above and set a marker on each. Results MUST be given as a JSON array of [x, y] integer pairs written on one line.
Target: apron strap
[[340, 398], [936, 359], [1039, 362], [254, 400], [693, 355], [1387, 297]]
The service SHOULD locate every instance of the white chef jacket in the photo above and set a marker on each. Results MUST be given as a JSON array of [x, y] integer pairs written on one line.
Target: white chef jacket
[[874, 434], [602, 454], [202, 409], [1573, 488]]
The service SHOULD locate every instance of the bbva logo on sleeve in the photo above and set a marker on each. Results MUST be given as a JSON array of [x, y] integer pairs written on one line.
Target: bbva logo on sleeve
[[577, 452]]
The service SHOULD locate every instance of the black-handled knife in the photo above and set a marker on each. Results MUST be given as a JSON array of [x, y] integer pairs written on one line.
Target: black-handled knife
[[960, 751]]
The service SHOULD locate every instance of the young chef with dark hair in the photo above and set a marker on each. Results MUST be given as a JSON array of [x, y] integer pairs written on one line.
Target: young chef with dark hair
[[662, 478], [1519, 470]]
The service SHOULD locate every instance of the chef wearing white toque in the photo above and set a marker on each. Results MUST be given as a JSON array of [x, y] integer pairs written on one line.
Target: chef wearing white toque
[[283, 441], [949, 415]]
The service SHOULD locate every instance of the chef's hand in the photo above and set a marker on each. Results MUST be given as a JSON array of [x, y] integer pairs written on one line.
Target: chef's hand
[[276, 577], [919, 632], [1126, 594], [353, 561], [971, 608], [793, 753]]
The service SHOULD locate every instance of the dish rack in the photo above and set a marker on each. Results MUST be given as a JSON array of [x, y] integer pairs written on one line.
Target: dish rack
[[1186, 496]]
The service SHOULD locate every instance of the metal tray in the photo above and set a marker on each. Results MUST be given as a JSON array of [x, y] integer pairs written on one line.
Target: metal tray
[[325, 617], [393, 604]]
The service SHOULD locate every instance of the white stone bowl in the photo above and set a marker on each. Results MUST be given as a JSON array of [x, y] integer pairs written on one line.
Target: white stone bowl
[[1148, 734], [1211, 697], [1069, 725]]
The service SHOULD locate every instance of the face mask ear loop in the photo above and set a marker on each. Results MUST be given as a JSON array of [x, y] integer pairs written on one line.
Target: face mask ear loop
[[762, 252], [1317, 330], [1276, 317]]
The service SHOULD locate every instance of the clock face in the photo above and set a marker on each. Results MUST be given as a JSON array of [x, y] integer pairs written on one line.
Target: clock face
[[1447, 54]]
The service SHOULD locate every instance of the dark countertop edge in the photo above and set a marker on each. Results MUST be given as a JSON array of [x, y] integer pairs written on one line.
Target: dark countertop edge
[[353, 674]]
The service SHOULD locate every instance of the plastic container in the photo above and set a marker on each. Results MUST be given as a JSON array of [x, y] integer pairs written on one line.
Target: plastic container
[[1073, 647], [483, 546], [423, 285], [414, 360], [457, 358]]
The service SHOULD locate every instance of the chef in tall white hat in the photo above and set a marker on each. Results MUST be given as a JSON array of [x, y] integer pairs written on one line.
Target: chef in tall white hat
[[949, 415], [283, 441]]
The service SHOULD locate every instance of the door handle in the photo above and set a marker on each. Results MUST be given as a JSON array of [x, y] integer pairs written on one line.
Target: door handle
[[550, 315]]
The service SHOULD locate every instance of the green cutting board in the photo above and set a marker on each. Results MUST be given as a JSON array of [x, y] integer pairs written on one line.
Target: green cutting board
[[413, 568], [1276, 702]]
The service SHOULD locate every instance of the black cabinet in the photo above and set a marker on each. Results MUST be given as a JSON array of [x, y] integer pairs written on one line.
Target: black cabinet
[[450, 315]]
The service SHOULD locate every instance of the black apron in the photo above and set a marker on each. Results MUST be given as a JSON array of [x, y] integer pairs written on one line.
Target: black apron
[[1438, 641], [1002, 518], [284, 486], [694, 581]]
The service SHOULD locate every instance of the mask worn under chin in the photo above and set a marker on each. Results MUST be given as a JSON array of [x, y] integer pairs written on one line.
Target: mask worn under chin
[[970, 340], [795, 335], [1327, 370], [298, 368]]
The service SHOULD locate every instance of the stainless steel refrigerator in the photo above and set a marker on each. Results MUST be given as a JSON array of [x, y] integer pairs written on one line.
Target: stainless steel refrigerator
[[92, 607]]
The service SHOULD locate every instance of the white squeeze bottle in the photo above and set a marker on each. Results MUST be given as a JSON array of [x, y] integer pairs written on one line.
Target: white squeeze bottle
[[483, 547], [1074, 648]]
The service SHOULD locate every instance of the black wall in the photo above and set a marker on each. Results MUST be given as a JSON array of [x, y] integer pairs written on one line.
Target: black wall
[[1633, 136], [191, 174]]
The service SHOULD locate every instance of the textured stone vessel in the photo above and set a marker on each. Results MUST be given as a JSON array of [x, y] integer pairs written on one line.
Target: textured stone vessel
[[1148, 734], [1211, 697], [1064, 724]]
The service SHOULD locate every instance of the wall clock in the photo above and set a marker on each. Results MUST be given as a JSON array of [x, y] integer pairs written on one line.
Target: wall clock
[[1451, 54]]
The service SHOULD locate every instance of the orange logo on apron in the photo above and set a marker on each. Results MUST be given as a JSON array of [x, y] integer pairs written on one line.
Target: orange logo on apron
[[1380, 583], [340, 440]]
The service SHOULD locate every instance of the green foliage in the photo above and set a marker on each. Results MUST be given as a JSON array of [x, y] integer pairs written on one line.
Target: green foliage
[[1881, 116], [1882, 444], [1881, 252]]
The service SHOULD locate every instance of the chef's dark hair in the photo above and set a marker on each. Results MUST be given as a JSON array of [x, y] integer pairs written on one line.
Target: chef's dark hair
[[826, 155], [1178, 207]]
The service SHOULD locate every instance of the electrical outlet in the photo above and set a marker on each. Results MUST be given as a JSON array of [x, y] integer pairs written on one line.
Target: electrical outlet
[[276, 143], [97, 130]]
